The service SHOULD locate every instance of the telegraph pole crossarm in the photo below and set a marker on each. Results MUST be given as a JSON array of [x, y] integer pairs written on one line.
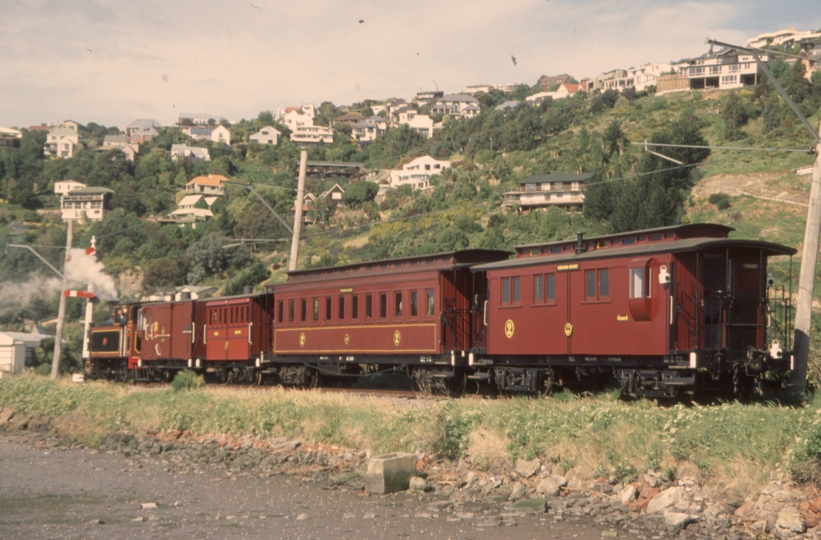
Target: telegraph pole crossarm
[[59, 274]]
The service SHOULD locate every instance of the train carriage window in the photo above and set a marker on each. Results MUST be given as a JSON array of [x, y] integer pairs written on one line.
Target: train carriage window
[[414, 311], [551, 287], [328, 308], [383, 306], [368, 306], [397, 305], [517, 290], [316, 309], [506, 290], [430, 302], [590, 284], [280, 311], [303, 310], [341, 313], [538, 289], [247, 314], [290, 311], [637, 282], [604, 283], [354, 307]]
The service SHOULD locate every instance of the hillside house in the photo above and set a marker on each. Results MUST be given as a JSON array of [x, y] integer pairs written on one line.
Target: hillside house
[[332, 169], [85, 203], [179, 151], [785, 36], [423, 124], [192, 209], [638, 78], [369, 129], [418, 172], [266, 135], [564, 191], [457, 106], [10, 138], [197, 119], [429, 95], [812, 62], [142, 130], [565, 90], [69, 124], [350, 119], [120, 142], [308, 110], [312, 135], [725, 70], [477, 88], [334, 195], [61, 143], [61, 187], [545, 82], [213, 184]]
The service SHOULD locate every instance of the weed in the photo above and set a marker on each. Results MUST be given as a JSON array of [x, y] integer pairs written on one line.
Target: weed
[[187, 380]]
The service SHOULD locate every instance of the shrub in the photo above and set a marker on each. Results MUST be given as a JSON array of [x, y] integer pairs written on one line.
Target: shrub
[[721, 200], [43, 369], [187, 380]]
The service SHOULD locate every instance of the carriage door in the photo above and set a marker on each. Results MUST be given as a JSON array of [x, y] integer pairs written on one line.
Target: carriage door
[[715, 282], [567, 277], [216, 345], [745, 318]]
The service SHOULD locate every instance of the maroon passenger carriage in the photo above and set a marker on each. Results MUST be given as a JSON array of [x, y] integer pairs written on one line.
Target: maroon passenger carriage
[[669, 309], [422, 313]]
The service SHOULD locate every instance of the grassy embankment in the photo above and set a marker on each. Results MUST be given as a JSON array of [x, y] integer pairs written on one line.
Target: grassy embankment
[[728, 443]]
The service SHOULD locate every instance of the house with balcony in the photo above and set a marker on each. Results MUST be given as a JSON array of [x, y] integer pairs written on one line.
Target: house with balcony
[[61, 143], [812, 61], [369, 129], [312, 135], [191, 210], [179, 151], [85, 203], [120, 142], [503, 87], [61, 187], [267, 135], [417, 173], [213, 185], [725, 70], [199, 119], [332, 169], [457, 106], [785, 36], [142, 130], [559, 190], [638, 78], [547, 81], [308, 110]]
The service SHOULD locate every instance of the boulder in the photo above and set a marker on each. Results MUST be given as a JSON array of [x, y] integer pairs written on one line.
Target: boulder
[[628, 494], [672, 497], [676, 521], [518, 491], [526, 469], [789, 518], [390, 472], [551, 485]]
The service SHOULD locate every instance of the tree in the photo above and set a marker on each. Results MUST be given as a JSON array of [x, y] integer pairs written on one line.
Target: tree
[[207, 257], [735, 114], [771, 117], [163, 274], [359, 193]]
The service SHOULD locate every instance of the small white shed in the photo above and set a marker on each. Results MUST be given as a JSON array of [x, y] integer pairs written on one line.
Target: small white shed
[[16, 348]]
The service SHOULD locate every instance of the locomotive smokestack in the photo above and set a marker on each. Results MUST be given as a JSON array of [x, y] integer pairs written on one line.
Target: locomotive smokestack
[[580, 243]]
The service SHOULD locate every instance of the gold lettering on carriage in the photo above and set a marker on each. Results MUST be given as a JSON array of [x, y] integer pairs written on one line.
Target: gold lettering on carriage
[[509, 329]]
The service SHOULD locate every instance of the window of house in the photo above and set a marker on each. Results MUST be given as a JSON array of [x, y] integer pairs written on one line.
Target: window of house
[[341, 313], [383, 305], [397, 305], [368, 306], [354, 307], [430, 302], [413, 304]]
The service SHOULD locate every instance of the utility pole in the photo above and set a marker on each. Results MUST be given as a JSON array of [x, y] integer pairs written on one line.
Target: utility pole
[[806, 279], [300, 194], [61, 310]]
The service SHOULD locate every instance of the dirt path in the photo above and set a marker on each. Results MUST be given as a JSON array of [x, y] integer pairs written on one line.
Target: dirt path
[[752, 184], [49, 492]]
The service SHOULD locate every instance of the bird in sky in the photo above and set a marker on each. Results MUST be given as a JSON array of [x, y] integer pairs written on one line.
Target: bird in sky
[[361, 21], [253, 6], [513, 58]]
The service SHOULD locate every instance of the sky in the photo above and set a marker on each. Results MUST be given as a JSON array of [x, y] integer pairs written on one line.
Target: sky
[[112, 61]]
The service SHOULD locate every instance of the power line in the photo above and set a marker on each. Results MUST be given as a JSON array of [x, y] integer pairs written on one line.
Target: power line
[[803, 151]]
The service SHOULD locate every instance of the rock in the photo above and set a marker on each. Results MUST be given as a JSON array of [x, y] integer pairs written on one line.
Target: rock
[[627, 494], [551, 485], [148, 506], [652, 480], [518, 491], [666, 499], [419, 484], [789, 518], [302, 517], [787, 495], [95, 522], [471, 478], [530, 506], [676, 521], [745, 509], [390, 472], [5, 416], [526, 469]]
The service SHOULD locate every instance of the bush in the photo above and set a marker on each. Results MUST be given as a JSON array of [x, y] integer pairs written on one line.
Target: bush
[[187, 380], [721, 200], [43, 369]]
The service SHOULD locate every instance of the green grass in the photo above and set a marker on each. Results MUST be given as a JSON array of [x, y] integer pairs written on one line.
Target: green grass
[[728, 442]]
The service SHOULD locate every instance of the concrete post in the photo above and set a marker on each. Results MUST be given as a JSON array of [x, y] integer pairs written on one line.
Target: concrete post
[[300, 196], [61, 310]]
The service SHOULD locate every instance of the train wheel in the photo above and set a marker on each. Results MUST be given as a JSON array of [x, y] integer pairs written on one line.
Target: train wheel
[[259, 378], [548, 383], [457, 384]]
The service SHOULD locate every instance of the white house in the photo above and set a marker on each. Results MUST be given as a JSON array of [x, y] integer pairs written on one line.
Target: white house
[[639, 77], [296, 119], [188, 212], [724, 70], [369, 129], [477, 88], [267, 135], [184, 151], [142, 130], [85, 203], [785, 36], [17, 350], [221, 134], [565, 90], [197, 119], [309, 135], [457, 106], [417, 173], [308, 110], [422, 123], [61, 142]]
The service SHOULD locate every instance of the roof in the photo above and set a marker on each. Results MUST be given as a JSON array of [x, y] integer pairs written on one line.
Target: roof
[[199, 212], [507, 105], [144, 123], [556, 177], [458, 97], [350, 164], [89, 191], [115, 139], [30, 340], [215, 180], [189, 200], [571, 87]]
